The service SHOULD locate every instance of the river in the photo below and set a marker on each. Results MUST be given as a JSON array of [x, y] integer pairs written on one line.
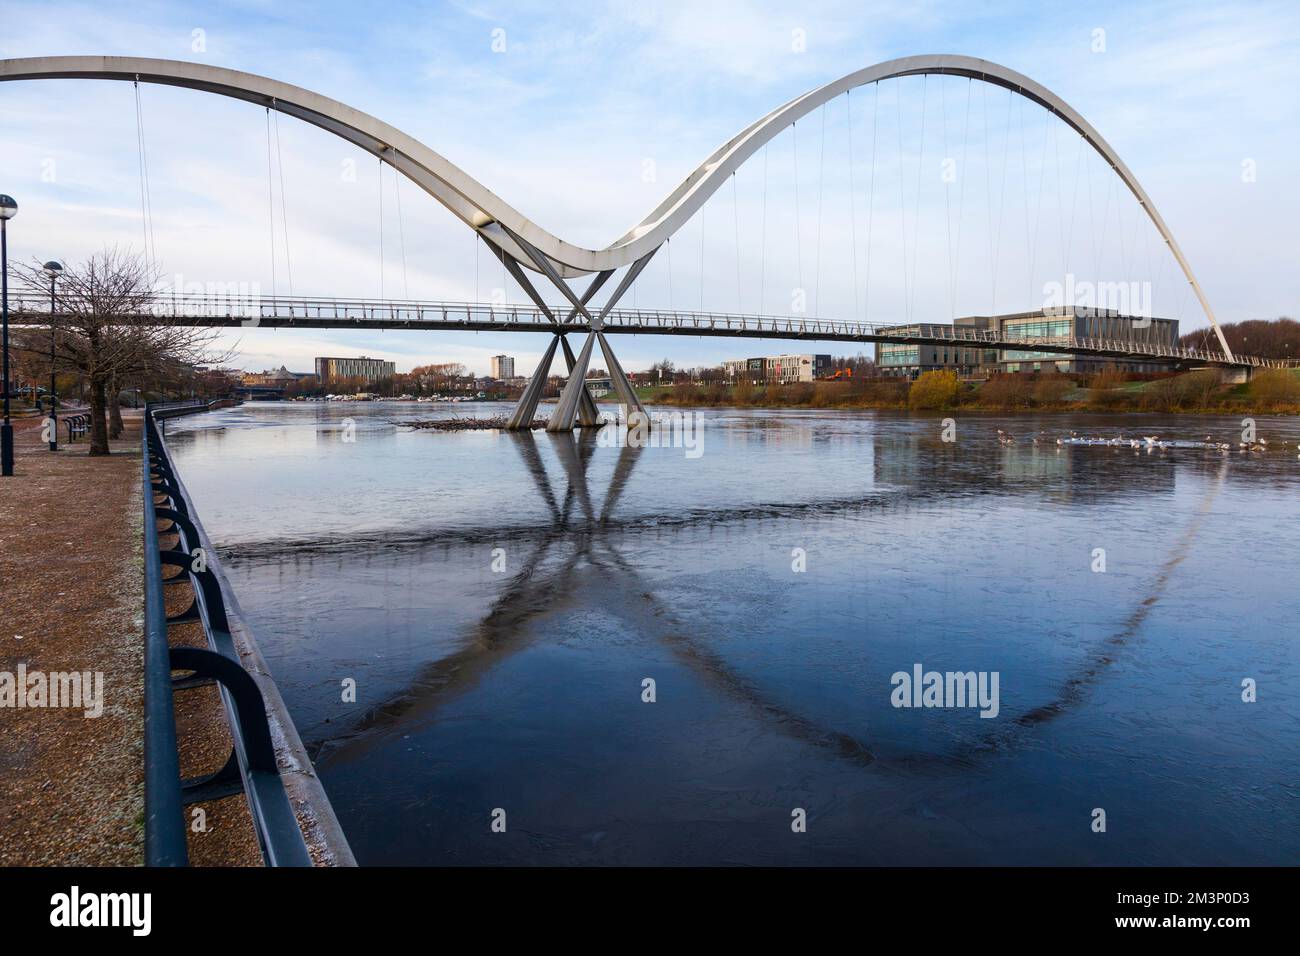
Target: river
[[686, 653]]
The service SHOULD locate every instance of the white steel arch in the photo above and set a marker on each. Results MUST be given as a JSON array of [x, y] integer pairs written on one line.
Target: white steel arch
[[499, 223]]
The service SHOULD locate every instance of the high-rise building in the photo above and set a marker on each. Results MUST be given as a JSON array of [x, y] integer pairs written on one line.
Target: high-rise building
[[503, 367], [372, 370]]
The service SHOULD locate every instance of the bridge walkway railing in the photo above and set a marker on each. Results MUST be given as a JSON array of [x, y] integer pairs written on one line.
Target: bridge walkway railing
[[253, 310]]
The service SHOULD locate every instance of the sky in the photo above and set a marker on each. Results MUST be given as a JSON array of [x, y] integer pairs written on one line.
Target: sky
[[918, 199]]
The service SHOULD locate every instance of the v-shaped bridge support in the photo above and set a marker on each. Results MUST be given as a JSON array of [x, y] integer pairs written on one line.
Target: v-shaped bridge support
[[576, 405]]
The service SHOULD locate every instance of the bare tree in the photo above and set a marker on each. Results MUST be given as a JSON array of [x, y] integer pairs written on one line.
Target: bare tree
[[106, 329]]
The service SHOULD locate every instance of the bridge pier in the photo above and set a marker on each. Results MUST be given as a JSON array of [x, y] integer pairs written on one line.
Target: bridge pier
[[526, 408], [588, 414], [576, 404]]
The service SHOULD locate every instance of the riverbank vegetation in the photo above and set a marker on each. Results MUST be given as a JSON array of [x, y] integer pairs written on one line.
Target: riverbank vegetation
[[1270, 391]]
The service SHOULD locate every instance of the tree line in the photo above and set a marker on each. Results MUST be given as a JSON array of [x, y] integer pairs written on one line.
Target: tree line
[[1268, 338], [104, 338]]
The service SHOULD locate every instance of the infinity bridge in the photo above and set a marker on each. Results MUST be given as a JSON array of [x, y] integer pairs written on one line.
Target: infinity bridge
[[279, 312], [526, 249]]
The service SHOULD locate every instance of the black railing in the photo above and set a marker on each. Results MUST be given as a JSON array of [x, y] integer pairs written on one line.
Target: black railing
[[251, 768], [77, 425]]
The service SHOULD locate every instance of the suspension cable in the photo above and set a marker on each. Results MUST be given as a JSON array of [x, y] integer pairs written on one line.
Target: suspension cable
[[871, 199], [1124, 269], [1098, 240], [1094, 248], [668, 249], [853, 198], [381, 227], [1060, 190], [401, 231], [735, 210], [961, 195], [762, 261], [920, 164], [270, 201], [146, 194], [821, 183], [995, 235], [701, 258], [1038, 205], [1074, 205], [947, 195], [798, 244], [1024, 169], [284, 215], [902, 205]]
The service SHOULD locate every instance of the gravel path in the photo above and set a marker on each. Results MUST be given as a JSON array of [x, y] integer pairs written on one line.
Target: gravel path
[[71, 599], [72, 787]]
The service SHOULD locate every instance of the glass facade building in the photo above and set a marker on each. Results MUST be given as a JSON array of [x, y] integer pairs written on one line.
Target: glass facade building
[[910, 359]]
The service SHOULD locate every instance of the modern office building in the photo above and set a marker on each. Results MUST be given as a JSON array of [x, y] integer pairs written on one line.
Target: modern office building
[[372, 370], [503, 367], [1079, 324], [780, 369], [910, 359]]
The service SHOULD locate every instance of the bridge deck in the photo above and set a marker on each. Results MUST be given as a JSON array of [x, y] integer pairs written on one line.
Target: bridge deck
[[319, 313]]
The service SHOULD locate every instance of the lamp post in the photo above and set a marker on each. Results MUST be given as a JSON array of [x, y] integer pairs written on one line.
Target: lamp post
[[8, 209], [53, 269]]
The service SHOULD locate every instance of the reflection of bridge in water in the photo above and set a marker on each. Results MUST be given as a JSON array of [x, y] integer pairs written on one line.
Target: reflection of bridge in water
[[586, 532]]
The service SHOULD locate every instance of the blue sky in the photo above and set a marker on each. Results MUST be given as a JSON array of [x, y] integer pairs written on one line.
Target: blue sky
[[594, 111]]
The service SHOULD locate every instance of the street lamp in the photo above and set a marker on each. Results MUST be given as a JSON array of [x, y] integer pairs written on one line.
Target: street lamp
[[53, 269], [8, 209]]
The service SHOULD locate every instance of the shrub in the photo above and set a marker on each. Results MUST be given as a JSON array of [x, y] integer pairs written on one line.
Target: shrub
[[1006, 391], [884, 391], [1275, 386], [1106, 391], [1107, 378], [827, 394], [800, 393], [938, 389], [1199, 389], [1052, 389]]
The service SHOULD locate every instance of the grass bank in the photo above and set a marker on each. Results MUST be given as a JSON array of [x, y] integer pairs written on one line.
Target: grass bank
[[1271, 392]]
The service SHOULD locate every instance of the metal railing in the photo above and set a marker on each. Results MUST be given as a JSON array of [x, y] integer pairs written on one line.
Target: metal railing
[[78, 426], [251, 768], [341, 313]]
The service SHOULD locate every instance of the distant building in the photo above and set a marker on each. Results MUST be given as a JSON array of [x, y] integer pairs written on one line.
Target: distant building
[[1081, 324], [780, 369], [503, 367], [970, 361], [910, 360], [277, 378], [372, 370]]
